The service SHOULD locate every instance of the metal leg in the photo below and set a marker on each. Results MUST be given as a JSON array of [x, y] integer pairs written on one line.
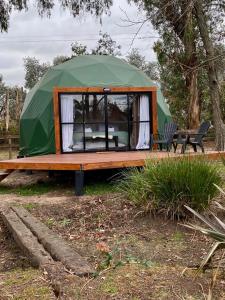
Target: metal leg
[[195, 148], [175, 147], [183, 148], [50, 173], [168, 147], [79, 183], [202, 147]]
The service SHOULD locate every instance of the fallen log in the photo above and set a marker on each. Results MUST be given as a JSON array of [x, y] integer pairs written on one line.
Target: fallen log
[[56, 246], [26, 240], [38, 256]]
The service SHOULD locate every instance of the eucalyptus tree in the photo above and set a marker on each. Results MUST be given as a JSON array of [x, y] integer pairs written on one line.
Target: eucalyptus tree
[[138, 60], [177, 48], [193, 23], [205, 12], [34, 70], [44, 8]]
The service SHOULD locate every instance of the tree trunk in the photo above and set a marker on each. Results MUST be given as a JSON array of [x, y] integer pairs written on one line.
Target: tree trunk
[[7, 111], [17, 105], [194, 103], [212, 76], [191, 61]]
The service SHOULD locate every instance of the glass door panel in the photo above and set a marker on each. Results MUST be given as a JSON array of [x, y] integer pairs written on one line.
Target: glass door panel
[[95, 136], [117, 116]]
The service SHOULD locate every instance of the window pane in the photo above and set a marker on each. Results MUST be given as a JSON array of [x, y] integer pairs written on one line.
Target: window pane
[[94, 109], [71, 108], [117, 108], [78, 137], [95, 137], [118, 135], [67, 137], [134, 114], [140, 135]]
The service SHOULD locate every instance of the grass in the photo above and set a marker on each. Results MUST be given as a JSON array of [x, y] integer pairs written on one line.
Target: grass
[[29, 190], [30, 206], [95, 189], [99, 188], [25, 284], [169, 184]]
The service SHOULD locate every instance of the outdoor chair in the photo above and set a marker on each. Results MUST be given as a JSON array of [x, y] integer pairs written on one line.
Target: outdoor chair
[[166, 138], [193, 139]]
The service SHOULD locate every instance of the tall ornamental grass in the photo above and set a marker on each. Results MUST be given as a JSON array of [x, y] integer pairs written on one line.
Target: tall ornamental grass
[[172, 183]]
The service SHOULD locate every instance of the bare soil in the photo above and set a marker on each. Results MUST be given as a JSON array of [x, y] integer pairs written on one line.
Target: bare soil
[[146, 257], [136, 256]]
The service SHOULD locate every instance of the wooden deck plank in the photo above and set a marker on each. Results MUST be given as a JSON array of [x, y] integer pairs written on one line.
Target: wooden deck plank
[[95, 161]]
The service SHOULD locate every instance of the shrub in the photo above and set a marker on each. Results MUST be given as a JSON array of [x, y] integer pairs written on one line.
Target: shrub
[[214, 228], [134, 186], [171, 183]]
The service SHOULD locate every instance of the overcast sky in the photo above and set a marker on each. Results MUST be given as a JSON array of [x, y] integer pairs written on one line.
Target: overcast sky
[[45, 38]]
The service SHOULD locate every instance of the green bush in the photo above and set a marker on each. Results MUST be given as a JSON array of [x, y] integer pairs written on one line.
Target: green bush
[[134, 186], [171, 183]]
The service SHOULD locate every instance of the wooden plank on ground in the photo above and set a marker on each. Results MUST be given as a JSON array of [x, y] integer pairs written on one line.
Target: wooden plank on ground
[[56, 246], [26, 240], [39, 257]]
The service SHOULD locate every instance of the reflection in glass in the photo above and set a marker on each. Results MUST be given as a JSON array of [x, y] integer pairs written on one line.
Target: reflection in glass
[[95, 137], [94, 108], [118, 135], [117, 108], [86, 118]]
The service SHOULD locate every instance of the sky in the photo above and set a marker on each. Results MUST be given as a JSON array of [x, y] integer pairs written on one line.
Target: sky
[[44, 38]]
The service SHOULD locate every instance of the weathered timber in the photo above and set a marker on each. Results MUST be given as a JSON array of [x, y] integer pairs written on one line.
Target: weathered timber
[[38, 256], [55, 245], [26, 240], [4, 174]]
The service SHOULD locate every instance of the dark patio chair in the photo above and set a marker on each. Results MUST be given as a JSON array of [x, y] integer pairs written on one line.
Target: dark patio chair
[[193, 139], [166, 138]]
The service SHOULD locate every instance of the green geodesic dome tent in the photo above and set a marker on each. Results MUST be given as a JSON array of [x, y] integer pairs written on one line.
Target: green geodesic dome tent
[[37, 119]]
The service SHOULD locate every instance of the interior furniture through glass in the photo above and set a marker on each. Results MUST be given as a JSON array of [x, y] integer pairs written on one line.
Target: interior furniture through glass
[[102, 122]]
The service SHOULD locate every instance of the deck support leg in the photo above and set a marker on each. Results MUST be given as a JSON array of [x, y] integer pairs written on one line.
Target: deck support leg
[[51, 173], [79, 183]]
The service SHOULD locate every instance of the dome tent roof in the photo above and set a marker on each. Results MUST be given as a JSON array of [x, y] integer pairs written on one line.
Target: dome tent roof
[[37, 121]]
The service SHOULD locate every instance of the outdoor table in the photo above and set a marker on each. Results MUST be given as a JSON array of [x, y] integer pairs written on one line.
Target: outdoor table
[[183, 136]]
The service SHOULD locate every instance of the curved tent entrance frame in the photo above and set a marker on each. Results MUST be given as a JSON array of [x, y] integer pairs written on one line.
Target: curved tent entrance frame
[[151, 91]]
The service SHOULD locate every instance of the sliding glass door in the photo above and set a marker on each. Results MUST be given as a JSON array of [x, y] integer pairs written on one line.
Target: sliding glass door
[[103, 122]]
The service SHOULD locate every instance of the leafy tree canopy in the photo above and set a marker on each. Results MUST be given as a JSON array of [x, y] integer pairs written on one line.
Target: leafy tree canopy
[[44, 7], [34, 70]]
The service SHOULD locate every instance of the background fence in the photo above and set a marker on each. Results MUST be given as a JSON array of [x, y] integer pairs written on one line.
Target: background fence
[[9, 144]]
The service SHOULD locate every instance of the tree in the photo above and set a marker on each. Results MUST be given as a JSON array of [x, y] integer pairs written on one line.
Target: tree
[[60, 59], [44, 7], [11, 101], [175, 23], [34, 70], [139, 61], [78, 49], [106, 46], [213, 70], [194, 23]]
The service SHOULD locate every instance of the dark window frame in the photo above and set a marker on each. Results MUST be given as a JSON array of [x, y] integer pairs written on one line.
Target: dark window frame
[[128, 122]]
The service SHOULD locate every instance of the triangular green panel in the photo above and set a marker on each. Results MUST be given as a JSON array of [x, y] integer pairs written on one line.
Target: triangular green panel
[[37, 119]]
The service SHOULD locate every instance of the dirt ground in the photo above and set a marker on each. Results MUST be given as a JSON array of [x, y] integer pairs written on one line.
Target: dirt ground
[[145, 257]]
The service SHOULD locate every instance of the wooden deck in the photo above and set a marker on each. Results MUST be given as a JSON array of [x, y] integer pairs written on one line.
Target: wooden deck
[[95, 161]]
